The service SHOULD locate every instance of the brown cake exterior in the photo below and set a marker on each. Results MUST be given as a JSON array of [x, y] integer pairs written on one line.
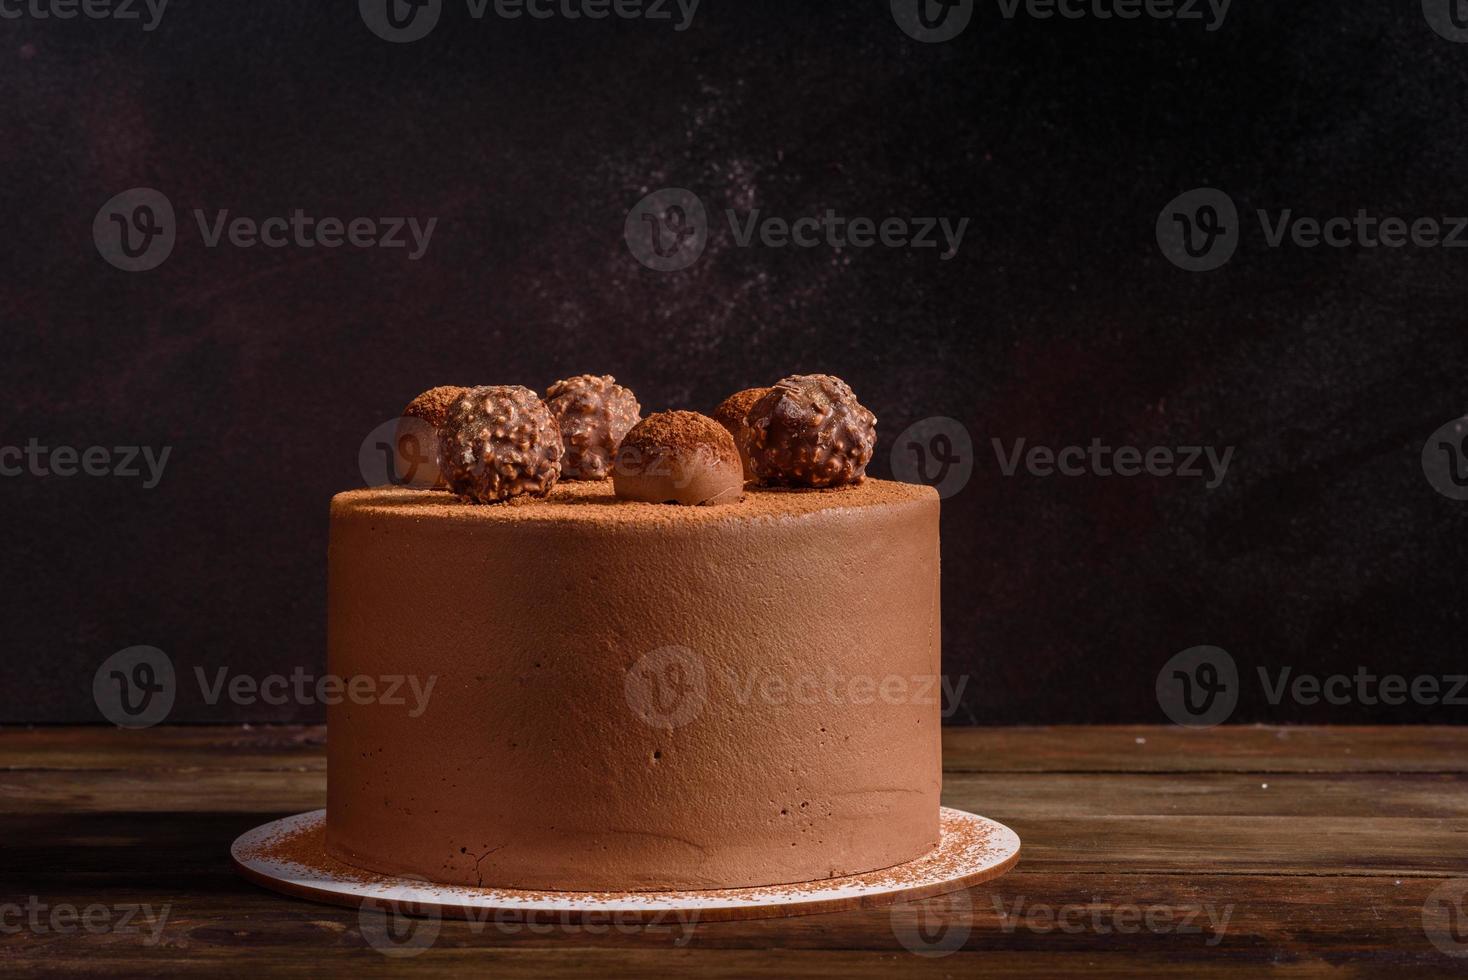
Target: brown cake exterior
[[634, 696]]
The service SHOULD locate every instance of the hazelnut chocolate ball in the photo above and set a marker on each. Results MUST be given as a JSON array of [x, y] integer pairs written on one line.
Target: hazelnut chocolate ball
[[678, 458], [810, 431], [594, 413], [500, 442], [731, 414], [415, 444]]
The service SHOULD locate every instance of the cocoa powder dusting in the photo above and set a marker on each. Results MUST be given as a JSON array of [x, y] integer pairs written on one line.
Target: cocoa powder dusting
[[958, 857], [733, 410], [681, 434], [434, 405], [732, 414], [595, 503]]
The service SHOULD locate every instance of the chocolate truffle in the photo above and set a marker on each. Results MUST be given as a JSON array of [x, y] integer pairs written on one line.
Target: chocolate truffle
[[810, 431], [500, 442], [732, 412], [678, 457], [416, 440], [594, 413]]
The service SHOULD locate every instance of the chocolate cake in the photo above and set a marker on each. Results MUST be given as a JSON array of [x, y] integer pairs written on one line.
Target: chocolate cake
[[632, 694]]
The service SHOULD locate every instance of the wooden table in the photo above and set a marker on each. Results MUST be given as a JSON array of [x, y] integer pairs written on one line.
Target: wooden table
[[1147, 851]]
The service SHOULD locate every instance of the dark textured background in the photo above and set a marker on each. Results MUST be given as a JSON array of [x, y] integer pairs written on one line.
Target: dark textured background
[[1059, 320]]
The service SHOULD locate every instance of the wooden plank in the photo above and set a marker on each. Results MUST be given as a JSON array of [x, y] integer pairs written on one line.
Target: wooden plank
[[1322, 844], [578, 964], [123, 844], [1022, 795], [1024, 920], [233, 747], [162, 791], [1160, 748], [1136, 845], [1253, 845], [1286, 845], [998, 795]]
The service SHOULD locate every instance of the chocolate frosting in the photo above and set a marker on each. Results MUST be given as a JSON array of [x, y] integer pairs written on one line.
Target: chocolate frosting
[[634, 696]]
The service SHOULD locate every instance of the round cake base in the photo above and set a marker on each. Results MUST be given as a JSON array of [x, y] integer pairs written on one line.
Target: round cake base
[[289, 856]]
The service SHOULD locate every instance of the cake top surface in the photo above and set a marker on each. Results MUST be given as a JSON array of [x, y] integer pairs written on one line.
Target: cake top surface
[[597, 503]]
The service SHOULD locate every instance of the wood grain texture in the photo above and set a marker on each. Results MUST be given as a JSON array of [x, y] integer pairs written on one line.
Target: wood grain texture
[[1254, 748], [1304, 851]]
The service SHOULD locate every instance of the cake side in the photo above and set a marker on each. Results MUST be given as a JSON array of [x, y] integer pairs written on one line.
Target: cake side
[[637, 696]]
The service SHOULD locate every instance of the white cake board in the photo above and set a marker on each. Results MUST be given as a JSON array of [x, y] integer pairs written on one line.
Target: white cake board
[[971, 849]]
